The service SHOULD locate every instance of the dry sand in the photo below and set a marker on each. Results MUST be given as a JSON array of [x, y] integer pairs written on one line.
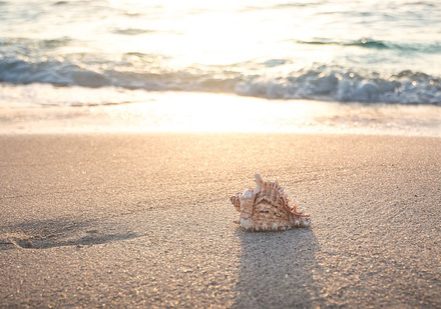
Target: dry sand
[[145, 220]]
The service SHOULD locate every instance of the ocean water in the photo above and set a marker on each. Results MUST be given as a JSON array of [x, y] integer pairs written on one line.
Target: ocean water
[[364, 51]]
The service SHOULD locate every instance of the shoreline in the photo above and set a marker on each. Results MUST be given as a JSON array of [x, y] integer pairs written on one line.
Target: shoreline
[[144, 220], [109, 110]]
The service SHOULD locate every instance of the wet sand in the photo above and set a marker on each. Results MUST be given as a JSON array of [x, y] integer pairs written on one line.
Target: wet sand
[[144, 220]]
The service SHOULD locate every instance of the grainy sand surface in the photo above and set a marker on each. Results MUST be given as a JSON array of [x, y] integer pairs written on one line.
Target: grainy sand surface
[[145, 220]]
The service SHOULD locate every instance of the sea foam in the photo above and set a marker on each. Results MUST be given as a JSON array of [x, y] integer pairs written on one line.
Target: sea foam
[[329, 83]]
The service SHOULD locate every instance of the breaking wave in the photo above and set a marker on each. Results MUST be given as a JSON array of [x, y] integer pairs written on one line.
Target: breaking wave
[[332, 83], [434, 47]]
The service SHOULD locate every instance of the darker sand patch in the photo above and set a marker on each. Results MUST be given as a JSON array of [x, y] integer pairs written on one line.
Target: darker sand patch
[[58, 233]]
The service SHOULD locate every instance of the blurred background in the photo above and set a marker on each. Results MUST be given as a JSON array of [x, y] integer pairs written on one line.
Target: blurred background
[[269, 65]]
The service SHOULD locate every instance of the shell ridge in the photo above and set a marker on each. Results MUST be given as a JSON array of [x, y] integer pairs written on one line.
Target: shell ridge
[[269, 208]]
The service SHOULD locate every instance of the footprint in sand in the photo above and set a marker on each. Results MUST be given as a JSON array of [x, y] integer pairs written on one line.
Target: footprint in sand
[[49, 234]]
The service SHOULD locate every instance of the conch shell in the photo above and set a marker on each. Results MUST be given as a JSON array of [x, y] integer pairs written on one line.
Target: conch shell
[[267, 208]]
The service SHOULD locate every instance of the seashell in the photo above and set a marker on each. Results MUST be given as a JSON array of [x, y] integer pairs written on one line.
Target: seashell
[[267, 208]]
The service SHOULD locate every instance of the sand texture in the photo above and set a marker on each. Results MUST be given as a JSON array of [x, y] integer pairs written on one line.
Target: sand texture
[[146, 221]]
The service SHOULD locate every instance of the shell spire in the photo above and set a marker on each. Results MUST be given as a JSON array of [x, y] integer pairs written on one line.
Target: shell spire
[[259, 182], [267, 208]]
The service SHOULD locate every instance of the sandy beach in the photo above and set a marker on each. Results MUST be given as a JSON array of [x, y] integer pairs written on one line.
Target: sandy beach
[[144, 221], [126, 127]]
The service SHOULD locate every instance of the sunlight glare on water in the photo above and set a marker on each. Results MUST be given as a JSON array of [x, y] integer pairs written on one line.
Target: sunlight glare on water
[[230, 32], [358, 51], [373, 51]]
